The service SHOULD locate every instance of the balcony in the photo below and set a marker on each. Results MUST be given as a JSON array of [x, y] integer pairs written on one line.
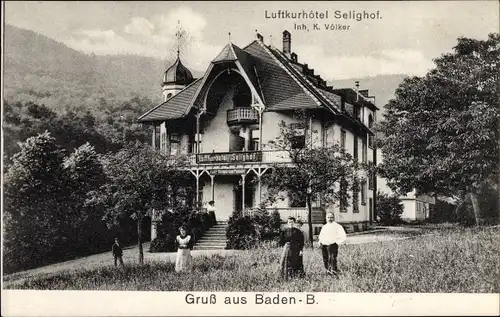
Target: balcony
[[224, 158], [242, 115], [299, 213], [229, 157]]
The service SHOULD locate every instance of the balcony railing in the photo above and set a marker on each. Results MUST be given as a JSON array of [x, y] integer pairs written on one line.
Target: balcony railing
[[299, 213], [269, 157], [242, 115], [230, 157]]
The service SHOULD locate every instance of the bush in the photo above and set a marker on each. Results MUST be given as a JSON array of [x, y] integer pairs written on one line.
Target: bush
[[163, 244], [196, 223], [245, 232], [241, 233], [389, 209], [463, 212]]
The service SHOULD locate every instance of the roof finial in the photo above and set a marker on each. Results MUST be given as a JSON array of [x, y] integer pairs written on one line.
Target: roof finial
[[229, 34], [271, 40], [178, 34]]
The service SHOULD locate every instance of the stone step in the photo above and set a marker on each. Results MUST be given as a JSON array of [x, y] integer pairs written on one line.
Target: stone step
[[210, 248], [211, 241]]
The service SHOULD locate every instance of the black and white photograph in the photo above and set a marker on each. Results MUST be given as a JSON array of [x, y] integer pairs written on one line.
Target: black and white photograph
[[250, 158]]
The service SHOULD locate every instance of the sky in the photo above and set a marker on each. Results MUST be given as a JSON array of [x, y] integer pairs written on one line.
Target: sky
[[404, 38]]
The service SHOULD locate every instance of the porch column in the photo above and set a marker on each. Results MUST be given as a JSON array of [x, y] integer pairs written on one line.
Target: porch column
[[197, 188], [153, 140], [260, 128], [198, 115], [197, 175], [213, 189], [243, 192], [259, 189], [260, 110]]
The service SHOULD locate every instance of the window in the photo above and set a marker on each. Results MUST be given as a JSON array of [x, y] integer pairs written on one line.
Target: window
[[355, 196], [299, 140], [370, 137], [169, 95], [343, 188], [329, 141], [174, 144], [363, 192], [255, 141], [364, 151], [371, 175], [342, 138], [255, 144]]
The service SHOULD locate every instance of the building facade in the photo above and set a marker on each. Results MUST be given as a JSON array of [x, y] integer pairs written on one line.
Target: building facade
[[416, 206], [223, 122]]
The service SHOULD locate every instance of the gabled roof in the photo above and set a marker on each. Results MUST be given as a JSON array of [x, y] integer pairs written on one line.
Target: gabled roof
[[227, 54], [279, 88], [174, 107], [279, 83], [318, 93]]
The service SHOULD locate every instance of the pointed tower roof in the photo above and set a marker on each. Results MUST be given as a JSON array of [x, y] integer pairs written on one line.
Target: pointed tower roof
[[178, 74]]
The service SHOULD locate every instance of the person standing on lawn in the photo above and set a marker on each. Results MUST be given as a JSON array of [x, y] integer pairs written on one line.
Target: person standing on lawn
[[117, 251], [331, 236], [184, 245], [292, 240]]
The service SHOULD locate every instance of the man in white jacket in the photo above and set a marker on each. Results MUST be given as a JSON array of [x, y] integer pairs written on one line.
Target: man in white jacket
[[332, 234]]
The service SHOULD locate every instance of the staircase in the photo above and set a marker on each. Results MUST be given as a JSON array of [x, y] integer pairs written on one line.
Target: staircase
[[214, 238]]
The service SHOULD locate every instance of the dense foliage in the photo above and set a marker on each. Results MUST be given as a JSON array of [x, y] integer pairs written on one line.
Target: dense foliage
[[248, 231], [45, 216], [107, 127], [441, 130], [389, 209]]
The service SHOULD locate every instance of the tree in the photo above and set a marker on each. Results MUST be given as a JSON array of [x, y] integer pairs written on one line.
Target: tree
[[44, 195], [138, 180], [325, 172], [84, 173], [440, 132], [390, 208], [32, 207]]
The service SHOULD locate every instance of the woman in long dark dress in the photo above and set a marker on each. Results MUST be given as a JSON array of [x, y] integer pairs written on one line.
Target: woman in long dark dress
[[292, 240]]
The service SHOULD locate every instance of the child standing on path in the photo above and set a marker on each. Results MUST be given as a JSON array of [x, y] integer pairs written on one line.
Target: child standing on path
[[117, 252]]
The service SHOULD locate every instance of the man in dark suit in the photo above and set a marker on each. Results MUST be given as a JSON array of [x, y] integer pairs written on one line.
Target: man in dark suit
[[117, 252]]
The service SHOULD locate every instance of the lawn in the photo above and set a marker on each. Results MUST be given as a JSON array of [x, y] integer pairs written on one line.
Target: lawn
[[458, 260]]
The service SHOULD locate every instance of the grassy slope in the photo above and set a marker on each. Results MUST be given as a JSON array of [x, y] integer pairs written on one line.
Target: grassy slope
[[465, 260]]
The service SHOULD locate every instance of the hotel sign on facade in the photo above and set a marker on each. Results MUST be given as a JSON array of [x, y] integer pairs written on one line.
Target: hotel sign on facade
[[234, 157]]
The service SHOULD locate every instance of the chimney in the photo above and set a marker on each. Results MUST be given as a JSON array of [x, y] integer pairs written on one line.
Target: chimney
[[287, 43], [357, 89], [364, 93], [294, 57], [260, 37]]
